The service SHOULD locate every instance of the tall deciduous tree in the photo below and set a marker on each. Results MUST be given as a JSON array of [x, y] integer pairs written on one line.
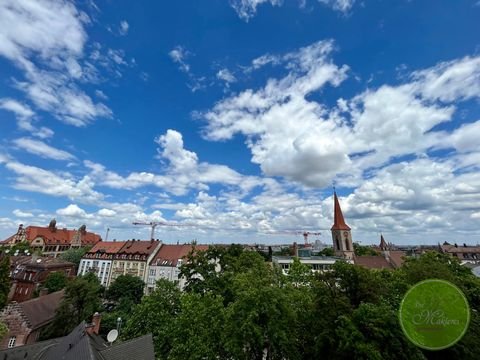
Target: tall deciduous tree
[[126, 286], [80, 302], [156, 314]]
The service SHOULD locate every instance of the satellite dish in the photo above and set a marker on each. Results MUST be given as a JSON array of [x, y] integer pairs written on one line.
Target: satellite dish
[[39, 261], [112, 335]]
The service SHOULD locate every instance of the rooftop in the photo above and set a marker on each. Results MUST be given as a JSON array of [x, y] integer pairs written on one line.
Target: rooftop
[[141, 247], [170, 254], [109, 247], [372, 262]]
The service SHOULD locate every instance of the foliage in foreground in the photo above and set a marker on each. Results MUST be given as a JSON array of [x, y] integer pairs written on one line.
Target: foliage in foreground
[[236, 306]]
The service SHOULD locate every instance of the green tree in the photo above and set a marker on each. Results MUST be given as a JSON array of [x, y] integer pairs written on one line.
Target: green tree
[[156, 314], [80, 302], [74, 255], [259, 320], [5, 281], [364, 250], [299, 274], [55, 281], [198, 328], [126, 286], [123, 310], [327, 252], [3, 330]]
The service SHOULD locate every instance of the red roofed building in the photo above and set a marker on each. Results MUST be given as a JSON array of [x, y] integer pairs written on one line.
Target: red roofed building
[[166, 264], [133, 258], [52, 240], [99, 260], [341, 232]]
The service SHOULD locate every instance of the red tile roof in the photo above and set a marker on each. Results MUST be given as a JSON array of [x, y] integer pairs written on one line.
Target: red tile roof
[[138, 247], [170, 254], [109, 247], [339, 221], [59, 236], [372, 262]]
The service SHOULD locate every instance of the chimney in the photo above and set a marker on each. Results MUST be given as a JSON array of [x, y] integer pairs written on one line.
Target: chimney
[[43, 292], [94, 328]]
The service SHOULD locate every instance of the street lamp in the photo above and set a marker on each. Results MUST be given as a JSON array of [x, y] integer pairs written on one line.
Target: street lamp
[[119, 324]]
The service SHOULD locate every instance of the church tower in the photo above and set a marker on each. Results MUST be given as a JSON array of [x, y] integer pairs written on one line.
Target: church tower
[[341, 232]]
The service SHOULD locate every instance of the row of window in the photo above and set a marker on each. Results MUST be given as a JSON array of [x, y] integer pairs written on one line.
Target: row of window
[[312, 266]]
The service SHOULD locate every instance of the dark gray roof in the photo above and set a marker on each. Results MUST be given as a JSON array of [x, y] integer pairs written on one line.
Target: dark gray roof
[[41, 310], [79, 345], [140, 348], [74, 346], [28, 352]]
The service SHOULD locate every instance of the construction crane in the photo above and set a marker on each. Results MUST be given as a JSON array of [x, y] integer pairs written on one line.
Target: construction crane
[[305, 234], [154, 224]]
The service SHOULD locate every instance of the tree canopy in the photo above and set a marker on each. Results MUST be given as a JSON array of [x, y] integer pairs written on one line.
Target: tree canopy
[[126, 286], [237, 306], [55, 281]]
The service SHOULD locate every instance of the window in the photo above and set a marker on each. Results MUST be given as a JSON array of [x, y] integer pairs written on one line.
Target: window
[[347, 245], [285, 266], [152, 272], [338, 243], [11, 341]]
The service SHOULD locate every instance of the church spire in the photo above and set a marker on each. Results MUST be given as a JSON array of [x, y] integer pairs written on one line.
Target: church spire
[[339, 221], [383, 243]]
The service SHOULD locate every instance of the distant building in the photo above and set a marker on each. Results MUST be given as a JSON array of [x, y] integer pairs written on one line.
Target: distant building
[[316, 263], [466, 253], [133, 259], [388, 257], [25, 320], [51, 240], [99, 260], [84, 343], [342, 246], [166, 264], [29, 273]]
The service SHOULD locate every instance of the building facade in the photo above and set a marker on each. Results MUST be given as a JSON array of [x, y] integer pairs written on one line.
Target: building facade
[[98, 260], [166, 264], [133, 259], [467, 254]]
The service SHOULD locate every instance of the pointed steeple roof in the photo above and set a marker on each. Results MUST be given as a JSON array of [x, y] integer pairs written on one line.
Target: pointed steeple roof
[[339, 221], [383, 243]]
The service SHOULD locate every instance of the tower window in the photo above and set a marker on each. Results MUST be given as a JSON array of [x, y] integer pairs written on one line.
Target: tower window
[[338, 243], [347, 245]]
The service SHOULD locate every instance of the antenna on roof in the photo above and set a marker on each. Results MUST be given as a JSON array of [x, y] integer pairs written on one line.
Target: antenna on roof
[[112, 336]]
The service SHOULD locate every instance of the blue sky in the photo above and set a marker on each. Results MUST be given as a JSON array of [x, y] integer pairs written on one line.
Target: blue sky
[[234, 118]]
